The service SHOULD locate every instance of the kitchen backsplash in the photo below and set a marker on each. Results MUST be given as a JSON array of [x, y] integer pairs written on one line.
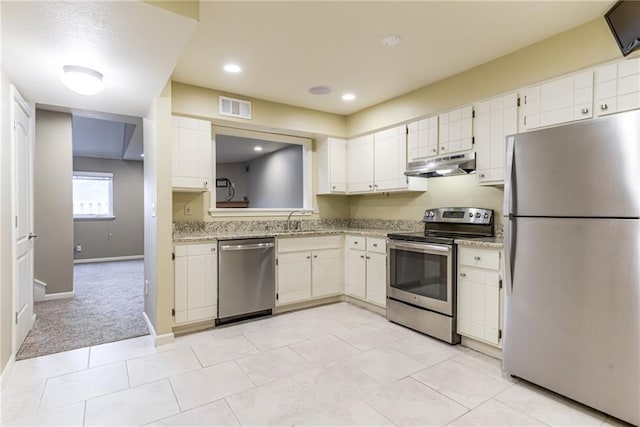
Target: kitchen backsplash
[[189, 228]]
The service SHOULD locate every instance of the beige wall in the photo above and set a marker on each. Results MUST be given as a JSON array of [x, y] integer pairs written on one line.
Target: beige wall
[[6, 261], [187, 8], [53, 206], [123, 235], [158, 244], [581, 47]]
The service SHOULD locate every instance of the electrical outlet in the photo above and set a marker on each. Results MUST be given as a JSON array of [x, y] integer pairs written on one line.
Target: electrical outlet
[[78, 247], [187, 209]]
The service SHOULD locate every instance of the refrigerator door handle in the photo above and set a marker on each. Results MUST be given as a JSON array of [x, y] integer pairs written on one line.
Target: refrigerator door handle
[[508, 176], [509, 253]]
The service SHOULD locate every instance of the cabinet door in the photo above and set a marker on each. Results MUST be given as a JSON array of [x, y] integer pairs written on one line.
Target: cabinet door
[[558, 101], [360, 164], [202, 274], [376, 278], [618, 87], [355, 273], [456, 130], [294, 277], [326, 272], [390, 159], [338, 165], [180, 287], [606, 89], [422, 139], [495, 119], [191, 153], [479, 304]]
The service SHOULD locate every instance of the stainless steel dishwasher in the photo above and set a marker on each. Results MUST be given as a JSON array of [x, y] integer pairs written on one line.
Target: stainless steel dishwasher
[[246, 279]]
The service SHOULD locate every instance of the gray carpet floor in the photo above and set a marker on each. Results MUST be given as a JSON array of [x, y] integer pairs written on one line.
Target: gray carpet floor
[[107, 306]]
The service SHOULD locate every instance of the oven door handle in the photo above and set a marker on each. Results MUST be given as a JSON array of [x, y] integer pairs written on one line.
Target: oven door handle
[[421, 247]]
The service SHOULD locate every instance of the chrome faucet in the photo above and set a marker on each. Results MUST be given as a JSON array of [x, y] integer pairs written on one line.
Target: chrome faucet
[[288, 227]]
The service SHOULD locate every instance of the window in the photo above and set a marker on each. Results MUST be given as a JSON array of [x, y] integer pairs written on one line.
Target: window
[[92, 195]]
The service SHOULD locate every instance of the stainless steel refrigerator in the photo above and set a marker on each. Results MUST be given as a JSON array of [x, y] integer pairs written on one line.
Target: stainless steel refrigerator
[[572, 261]]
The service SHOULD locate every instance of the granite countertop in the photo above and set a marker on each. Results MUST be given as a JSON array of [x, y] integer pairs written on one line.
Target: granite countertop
[[368, 232], [484, 242]]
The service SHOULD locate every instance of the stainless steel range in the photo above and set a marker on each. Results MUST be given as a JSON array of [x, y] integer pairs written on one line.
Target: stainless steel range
[[421, 281]]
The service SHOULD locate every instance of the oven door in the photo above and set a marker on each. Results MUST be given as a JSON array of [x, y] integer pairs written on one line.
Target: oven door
[[421, 274]]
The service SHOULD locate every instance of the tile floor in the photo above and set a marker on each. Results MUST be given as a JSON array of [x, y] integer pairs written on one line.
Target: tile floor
[[331, 365]]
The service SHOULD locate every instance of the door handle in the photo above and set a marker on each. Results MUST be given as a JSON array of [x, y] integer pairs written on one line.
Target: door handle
[[32, 236]]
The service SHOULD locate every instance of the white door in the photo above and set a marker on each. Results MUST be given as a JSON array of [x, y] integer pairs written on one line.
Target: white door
[[22, 139]]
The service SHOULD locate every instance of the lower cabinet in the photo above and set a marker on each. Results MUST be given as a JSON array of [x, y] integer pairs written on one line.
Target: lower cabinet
[[196, 282], [480, 294], [308, 267], [365, 269]]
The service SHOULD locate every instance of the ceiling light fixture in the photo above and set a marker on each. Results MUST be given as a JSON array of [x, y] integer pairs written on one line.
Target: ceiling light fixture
[[232, 68], [257, 148], [348, 97], [319, 90], [390, 41], [82, 80]]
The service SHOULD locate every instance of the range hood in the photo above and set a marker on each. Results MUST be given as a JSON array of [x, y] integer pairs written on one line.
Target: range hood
[[454, 164]]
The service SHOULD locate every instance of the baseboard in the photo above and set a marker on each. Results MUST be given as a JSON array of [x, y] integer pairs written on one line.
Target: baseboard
[[59, 295], [6, 372], [481, 347], [157, 339], [307, 304], [109, 259], [366, 305], [39, 290]]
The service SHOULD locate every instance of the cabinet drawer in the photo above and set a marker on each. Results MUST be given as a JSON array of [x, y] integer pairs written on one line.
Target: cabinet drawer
[[481, 258], [355, 242], [202, 249], [376, 245], [294, 244]]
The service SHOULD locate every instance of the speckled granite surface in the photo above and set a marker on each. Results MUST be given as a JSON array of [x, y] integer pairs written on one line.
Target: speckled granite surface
[[486, 242], [184, 232]]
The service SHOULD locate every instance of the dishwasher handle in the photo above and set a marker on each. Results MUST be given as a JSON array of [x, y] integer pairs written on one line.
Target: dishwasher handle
[[246, 247]]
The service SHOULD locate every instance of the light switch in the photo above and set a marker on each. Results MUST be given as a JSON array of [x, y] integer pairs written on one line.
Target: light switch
[[187, 209]]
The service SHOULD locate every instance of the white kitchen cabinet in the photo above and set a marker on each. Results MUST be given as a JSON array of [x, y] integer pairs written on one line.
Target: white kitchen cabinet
[[617, 87], [376, 163], [191, 154], [422, 139], [360, 153], [195, 282], [455, 130], [479, 294], [308, 267], [366, 269], [494, 120], [332, 166], [557, 101]]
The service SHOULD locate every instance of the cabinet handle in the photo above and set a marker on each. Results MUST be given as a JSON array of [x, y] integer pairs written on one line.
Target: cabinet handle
[[604, 106], [213, 249], [433, 150], [477, 258], [315, 256], [375, 185], [481, 175], [370, 186], [205, 184], [584, 110], [308, 256], [362, 256], [463, 274], [443, 148], [368, 257], [355, 243], [333, 188], [375, 245]]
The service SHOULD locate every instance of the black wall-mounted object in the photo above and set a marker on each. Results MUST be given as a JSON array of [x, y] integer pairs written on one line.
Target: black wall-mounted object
[[624, 21]]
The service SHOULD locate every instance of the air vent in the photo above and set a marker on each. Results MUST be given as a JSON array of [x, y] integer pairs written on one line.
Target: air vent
[[235, 108]]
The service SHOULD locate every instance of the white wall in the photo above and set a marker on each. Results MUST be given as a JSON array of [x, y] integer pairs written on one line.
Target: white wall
[[6, 261], [276, 179]]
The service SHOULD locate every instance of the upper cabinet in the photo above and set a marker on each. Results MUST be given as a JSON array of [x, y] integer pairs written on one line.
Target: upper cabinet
[[377, 163], [494, 120], [332, 166], [558, 101], [422, 139], [191, 154], [455, 130], [617, 87]]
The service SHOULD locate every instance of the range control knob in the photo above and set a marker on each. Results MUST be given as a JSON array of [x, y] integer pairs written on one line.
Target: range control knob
[[470, 214], [486, 215], [478, 215], [431, 214]]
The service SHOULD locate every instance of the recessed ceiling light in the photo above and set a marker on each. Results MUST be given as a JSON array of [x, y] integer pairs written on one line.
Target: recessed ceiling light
[[257, 148], [82, 80], [391, 40], [319, 90], [348, 97], [232, 68]]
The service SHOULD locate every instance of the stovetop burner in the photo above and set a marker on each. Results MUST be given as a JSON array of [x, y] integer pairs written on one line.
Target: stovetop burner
[[444, 225]]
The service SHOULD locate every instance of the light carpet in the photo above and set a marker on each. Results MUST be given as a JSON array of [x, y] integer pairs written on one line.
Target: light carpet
[[107, 306]]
